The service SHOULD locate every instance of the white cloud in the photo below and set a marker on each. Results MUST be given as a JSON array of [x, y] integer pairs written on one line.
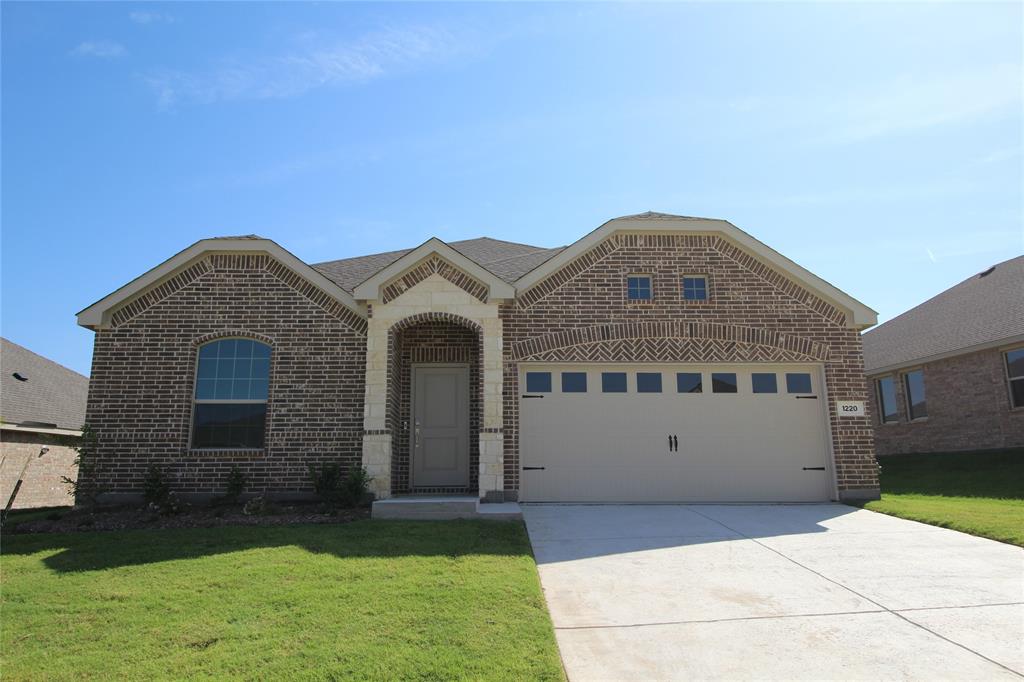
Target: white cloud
[[100, 48], [372, 56], [148, 17]]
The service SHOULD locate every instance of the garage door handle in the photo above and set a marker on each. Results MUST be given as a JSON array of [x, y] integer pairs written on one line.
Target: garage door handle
[[807, 397], [814, 468], [533, 396], [533, 468]]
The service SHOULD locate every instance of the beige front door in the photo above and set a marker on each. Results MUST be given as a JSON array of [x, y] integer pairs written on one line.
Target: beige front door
[[440, 418], [673, 433]]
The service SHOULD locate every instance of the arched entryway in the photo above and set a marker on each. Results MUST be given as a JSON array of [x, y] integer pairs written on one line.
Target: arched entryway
[[435, 404]]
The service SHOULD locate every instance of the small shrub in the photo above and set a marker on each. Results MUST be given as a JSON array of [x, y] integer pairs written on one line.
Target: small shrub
[[355, 487], [326, 482], [255, 506], [83, 488], [235, 485], [155, 489]]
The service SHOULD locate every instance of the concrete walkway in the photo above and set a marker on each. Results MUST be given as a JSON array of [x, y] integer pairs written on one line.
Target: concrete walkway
[[741, 592]]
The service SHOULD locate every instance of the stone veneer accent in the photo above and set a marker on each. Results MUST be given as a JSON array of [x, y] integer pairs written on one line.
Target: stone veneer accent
[[968, 408], [433, 299], [140, 393], [754, 314]]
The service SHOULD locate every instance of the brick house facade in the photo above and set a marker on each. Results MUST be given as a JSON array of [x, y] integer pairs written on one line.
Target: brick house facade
[[345, 337], [964, 349]]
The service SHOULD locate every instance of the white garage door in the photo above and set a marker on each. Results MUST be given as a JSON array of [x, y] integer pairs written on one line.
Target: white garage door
[[681, 433]]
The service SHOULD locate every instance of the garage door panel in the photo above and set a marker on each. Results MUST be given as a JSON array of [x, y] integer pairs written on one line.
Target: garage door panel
[[615, 447]]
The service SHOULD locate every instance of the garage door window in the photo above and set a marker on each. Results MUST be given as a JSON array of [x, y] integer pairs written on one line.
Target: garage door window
[[648, 382], [798, 382], [613, 382], [538, 382], [763, 383], [723, 382], [688, 382], [574, 382]]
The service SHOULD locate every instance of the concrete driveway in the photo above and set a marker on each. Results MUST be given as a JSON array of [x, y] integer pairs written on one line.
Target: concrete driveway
[[740, 592]]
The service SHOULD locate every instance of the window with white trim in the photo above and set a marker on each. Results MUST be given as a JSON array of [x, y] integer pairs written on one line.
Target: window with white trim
[[638, 288], [232, 384], [695, 288], [1015, 375]]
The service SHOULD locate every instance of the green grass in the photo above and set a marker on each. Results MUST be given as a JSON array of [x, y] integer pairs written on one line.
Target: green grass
[[981, 493], [366, 600]]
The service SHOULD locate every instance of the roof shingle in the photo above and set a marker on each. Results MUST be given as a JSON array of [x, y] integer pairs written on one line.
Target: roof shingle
[[51, 394], [983, 309]]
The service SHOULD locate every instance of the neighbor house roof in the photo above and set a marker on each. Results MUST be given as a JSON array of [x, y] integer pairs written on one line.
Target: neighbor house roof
[[47, 395], [985, 310]]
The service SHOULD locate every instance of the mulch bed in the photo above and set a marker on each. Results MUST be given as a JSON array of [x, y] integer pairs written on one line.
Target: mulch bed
[[82, 520]]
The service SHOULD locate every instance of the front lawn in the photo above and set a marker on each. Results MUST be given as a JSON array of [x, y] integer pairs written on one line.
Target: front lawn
[[981, 493], [366, 600]]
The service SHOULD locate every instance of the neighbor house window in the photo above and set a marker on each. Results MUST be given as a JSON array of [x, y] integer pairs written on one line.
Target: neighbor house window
[[648, 382], [695, 288], [1015, 374], [638, 288], [913, 382], [232, 380], [723, 382], [886, 388]]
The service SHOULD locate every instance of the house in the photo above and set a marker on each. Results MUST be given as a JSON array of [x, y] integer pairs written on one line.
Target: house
[[42, 409], [658, 358], [948, 375]]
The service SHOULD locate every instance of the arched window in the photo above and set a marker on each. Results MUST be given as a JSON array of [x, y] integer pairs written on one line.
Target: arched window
[[232, 379]]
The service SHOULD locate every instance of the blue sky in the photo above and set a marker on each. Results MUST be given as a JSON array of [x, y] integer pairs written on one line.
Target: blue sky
[[877, 145]]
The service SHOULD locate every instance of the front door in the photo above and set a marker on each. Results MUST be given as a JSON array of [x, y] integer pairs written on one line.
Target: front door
[[440, 433]]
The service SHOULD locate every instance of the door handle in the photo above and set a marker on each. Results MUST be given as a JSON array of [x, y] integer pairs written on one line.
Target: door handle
[[807, 397], [675, 443], [417, 435], [814, 468], [528, 395], [533, 468]]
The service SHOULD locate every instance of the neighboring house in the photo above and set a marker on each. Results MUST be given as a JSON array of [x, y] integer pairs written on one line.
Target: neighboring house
[[658, 358], [949, 374], [42, 405]]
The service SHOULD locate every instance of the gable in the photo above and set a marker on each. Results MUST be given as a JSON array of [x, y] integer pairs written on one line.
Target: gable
[[188, 265], [662, 231]]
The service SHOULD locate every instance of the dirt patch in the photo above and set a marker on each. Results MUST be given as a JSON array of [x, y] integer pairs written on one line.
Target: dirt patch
[[81, 520]]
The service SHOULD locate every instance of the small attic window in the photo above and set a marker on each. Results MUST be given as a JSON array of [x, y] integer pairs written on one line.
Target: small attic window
[[18, 376], [986, 273]]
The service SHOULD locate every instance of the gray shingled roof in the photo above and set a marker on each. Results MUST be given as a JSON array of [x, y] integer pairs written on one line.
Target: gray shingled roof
[[980, 310], [52, 394], [507, 260]]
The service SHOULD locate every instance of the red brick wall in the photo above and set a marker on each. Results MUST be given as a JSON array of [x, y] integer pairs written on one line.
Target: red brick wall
[[43, 485], [968, 409], [140, 391], [753, 314]]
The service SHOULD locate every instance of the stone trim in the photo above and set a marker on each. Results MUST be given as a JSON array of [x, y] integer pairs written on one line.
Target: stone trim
[[158, 293], [652, 341], [230, 333], [430, 266], [419, 318]]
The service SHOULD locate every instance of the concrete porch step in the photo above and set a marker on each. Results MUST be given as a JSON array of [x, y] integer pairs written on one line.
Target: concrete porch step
[[443, 507]]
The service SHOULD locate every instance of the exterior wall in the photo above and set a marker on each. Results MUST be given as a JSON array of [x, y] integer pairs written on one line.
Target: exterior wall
[[754, 314], [140, 393], [43, 485], [439, 343], [432, 298], [968, 408]]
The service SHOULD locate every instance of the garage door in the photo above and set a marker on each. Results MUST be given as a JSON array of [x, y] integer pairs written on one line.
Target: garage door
[[686, 433]]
